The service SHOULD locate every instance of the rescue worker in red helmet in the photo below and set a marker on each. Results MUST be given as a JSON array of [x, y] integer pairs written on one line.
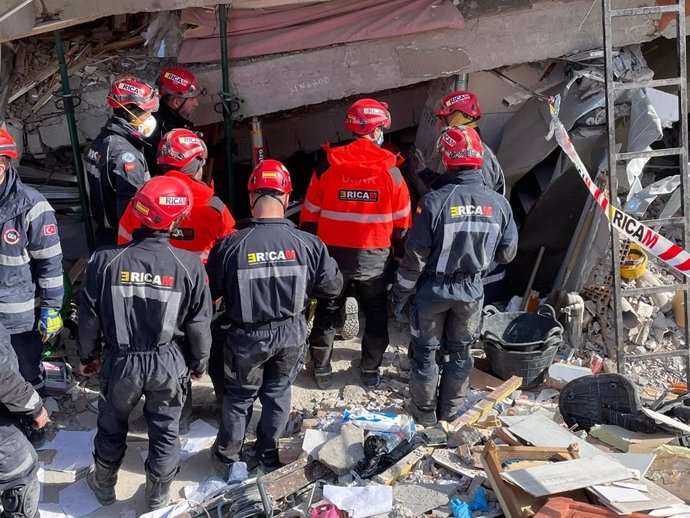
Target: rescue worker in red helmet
[[149, 305], [266, 272], [182, 154], [459, 229], [31, 287], [180, 93], [460, 108], [115, 163], [359, 205]]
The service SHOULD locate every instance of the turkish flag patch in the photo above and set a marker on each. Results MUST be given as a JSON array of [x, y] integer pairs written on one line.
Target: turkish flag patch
[[129, 167], [50, 230]]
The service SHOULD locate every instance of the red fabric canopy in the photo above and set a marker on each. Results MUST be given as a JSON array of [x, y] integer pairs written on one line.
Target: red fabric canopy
[[258, 32]]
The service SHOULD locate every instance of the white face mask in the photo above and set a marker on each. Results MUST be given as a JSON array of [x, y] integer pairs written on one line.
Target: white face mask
[[379, 140], [147, 127]]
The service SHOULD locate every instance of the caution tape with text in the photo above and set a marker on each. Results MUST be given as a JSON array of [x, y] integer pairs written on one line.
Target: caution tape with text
[[651, 241]]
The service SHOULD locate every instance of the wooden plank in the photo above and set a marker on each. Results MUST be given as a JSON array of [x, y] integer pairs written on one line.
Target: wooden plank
[[453, 462], [403, 466], [627, 441], [480, 380], [479, 410], [293, 477], [54, 26]]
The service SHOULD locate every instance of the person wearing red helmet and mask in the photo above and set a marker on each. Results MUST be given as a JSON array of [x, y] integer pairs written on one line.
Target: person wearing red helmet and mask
[[149, 305], [182, 154], [359, 205], [266, 272], [459, 229], [180, 91], [115, 163]]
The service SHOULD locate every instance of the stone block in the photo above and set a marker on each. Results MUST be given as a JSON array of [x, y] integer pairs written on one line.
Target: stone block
[[342, 453]]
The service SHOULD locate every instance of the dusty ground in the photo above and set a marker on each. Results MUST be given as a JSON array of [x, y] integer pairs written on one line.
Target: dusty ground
[[306, 399]]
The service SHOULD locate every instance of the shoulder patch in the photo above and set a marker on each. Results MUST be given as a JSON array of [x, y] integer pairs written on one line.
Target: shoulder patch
[[128, 157]]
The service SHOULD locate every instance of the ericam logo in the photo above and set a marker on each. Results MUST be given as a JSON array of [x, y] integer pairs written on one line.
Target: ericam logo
[[471, 210], [270, 256], [172, 200], [165, 281]]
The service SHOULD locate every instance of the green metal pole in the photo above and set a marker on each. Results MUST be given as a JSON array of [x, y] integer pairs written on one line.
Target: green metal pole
[[74, 139], [226, 99]]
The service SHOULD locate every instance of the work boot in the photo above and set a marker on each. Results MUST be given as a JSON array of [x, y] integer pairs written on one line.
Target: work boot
[[158, 490], [370, 378], [350, 319], [101, 479], [221, 467], [270, 461], [323, 378], [426, 418]]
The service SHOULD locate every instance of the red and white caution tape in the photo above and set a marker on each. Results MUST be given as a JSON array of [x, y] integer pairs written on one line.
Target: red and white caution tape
[[653, 242]]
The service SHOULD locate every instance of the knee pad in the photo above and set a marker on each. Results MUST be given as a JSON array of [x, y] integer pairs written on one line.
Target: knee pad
[[22, 501]]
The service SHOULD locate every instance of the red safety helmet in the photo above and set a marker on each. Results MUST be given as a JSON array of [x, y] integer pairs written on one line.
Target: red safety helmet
[[161, 201], [8, 147], [179, 82], [461, 101], [179, 148], [271, 175], [132, 90], [460, 146], [365, 115]]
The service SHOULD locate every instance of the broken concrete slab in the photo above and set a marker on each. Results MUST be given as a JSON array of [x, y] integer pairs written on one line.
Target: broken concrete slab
[[314, 441], [466, 435], [421, 498], [342, 453]]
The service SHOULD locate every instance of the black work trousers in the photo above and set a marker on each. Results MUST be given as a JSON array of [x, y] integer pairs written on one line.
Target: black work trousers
[[443, 329], [259, 364], [19, 487], [29, 348], [162, 377], [373, 299]]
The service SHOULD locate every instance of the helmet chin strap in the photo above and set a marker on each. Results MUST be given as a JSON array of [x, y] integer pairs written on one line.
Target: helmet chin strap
[[262, 194]]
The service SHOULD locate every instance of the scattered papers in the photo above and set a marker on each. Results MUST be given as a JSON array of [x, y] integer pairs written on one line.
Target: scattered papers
[[200, 437], [77, 499], [670, 511], [206, 489], [361, 502], [314, 441], [619, 494], [168, 512], [559, 477], [74, 451]]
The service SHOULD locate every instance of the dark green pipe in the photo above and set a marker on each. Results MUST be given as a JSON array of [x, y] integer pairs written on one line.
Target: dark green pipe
[[226, 99], [68, 106]]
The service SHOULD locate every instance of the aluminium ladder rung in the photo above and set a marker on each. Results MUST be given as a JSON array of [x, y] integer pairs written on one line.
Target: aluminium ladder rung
[[653, 83], [676, 353], [641, 11], [648, 290], [649, 154]]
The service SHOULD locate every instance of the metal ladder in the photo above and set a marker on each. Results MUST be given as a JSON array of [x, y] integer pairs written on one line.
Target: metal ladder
[[612, 87]]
